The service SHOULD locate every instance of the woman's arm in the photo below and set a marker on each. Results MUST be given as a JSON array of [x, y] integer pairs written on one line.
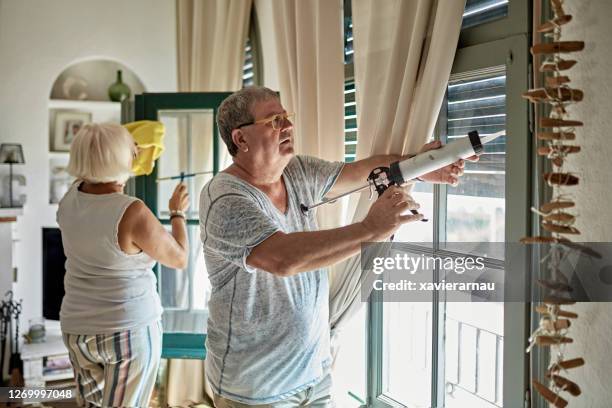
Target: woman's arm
[[140, 227]]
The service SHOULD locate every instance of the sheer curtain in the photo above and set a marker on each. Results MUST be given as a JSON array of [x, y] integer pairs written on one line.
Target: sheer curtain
[[404, 52], [211, 36]]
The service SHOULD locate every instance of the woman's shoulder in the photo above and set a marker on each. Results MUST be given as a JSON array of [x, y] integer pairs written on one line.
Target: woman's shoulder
[[136, 209]]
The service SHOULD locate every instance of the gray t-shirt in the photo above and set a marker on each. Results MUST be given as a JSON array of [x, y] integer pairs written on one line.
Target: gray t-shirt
[[268, 336]]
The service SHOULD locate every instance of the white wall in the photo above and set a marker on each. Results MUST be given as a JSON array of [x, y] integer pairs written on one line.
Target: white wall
[[38, 39], [592, 331]]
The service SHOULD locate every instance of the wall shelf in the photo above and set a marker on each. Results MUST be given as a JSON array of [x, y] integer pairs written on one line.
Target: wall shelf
[[11, 212], [84, 105], [59, 155]]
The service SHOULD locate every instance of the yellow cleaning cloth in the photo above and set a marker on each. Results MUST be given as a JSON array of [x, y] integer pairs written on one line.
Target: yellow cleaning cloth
[[149, 137]]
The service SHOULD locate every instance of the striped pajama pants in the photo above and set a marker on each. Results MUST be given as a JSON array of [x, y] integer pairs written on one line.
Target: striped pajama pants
[[115, 370]]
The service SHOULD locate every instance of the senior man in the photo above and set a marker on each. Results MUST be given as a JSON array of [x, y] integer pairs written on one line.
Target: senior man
[[268, 332]]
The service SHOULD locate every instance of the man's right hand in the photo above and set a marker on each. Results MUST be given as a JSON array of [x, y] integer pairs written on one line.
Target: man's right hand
[[387, 214]]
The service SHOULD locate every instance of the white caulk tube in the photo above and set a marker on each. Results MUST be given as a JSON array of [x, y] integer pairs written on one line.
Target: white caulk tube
[[426, 162]]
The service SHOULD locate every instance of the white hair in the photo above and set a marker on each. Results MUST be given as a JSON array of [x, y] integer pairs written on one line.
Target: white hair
[[236, 110], [102, 153]]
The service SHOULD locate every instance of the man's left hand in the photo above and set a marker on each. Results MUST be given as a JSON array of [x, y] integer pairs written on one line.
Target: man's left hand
[[446, 175]]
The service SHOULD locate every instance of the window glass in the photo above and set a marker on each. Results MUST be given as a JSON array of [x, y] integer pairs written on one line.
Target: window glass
[[185, 292], [188, 149], [475, 209], [473, 355], [407, 345], [420, 232]]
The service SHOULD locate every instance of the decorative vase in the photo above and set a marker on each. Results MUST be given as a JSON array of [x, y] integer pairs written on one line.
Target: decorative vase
[[119, 91]]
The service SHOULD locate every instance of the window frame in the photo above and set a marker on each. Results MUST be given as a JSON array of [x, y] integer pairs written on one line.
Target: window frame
[[147, 106], [517, 21], [488, 45]]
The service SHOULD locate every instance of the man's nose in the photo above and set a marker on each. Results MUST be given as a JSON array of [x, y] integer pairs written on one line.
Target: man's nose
[[287, 124]]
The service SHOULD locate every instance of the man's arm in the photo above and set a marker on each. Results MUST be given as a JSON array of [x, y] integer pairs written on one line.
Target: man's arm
[[355, 174], [288, 254]]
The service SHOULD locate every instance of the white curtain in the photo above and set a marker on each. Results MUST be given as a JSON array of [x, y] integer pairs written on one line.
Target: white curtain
[[403, 57], [211, 36], [309, 49], [404, 52]]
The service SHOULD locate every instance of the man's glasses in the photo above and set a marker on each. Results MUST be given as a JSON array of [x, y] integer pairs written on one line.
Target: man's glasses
[[276, 121]]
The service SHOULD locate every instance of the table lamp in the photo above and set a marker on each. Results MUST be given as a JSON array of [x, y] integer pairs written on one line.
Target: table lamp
[[11, 153]]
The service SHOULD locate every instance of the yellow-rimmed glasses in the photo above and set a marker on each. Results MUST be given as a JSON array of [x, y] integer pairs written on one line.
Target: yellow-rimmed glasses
[[276, 121]]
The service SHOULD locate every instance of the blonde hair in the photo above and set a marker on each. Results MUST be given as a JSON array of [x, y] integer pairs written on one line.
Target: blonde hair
[[102, 153]]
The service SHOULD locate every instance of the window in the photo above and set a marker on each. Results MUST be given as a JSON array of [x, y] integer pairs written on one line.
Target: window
[[350, 121], [350, 101], [483, 11], [184, 292], [469, 343], [348, 34], [248, 75], [251, 69], [350, 365], [451, 354], [475, 209], [192, 146]]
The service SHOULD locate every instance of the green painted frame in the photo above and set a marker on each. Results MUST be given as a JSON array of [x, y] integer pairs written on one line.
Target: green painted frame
[[147, 106]]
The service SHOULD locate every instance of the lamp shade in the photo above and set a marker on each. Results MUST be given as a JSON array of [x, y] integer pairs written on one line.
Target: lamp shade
[[11, 153]]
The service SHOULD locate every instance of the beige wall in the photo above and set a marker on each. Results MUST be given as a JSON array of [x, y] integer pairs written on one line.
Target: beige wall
[[593, 330]]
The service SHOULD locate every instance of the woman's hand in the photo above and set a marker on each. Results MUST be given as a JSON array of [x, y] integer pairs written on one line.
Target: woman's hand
[[180, 199]]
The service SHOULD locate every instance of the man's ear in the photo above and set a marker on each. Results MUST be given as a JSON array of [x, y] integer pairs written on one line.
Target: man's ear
[[238, 139]]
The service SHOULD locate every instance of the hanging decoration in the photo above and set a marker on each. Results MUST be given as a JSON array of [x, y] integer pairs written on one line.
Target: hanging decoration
[[557, 217]]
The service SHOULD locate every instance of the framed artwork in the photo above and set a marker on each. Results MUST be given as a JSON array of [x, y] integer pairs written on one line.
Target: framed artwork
[[67, 125]]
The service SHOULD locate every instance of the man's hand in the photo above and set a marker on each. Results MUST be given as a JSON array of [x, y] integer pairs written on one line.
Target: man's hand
[[446, 175], [387, 214]]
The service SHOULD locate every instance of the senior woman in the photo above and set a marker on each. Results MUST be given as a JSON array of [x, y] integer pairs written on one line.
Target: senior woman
[[111, 313]]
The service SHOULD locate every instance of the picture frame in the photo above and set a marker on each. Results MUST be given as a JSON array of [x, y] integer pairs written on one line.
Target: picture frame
[[67, 125]]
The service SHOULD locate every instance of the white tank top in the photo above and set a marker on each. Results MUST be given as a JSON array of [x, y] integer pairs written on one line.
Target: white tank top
[[106, 289]]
